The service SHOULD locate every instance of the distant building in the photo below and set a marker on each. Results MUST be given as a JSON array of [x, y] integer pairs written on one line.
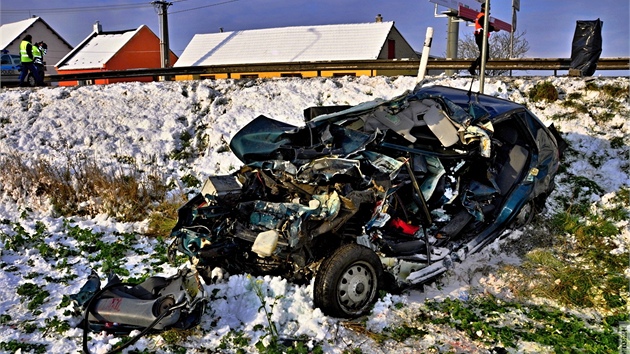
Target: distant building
[[113, 50], [362, 41], [11, 34]]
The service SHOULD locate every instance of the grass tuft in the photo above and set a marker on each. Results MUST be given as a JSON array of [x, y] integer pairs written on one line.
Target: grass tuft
[[579, 107], [543, 91], [163, 216], [582, 269]]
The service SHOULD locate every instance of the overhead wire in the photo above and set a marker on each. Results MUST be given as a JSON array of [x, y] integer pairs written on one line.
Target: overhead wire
[[202, 7], [137, 5], [146, 4], [80, 8]]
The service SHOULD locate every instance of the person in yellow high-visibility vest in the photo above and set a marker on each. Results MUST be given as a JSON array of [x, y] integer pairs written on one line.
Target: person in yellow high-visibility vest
[[479, 32], [39, 50], [26, 59]]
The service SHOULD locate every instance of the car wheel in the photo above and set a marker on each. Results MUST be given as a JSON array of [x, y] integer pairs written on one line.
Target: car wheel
[[525, 215], [30, 80], [347, 283]]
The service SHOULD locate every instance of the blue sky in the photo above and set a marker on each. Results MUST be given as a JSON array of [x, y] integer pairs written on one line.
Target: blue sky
[[549, 24]]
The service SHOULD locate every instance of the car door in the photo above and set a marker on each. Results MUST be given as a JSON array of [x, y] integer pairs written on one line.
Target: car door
[[10, 68]]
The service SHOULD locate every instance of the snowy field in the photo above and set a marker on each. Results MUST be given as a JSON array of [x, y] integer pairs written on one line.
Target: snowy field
[[144, 122]]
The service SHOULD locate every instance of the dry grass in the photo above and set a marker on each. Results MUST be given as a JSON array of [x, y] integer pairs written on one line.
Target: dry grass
[[163, 216], [82, 187]]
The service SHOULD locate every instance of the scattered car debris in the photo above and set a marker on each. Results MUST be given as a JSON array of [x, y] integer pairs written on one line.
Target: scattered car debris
[[154, 305], [385, 194]]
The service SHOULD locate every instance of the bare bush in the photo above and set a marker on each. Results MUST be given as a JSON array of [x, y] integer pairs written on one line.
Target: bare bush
[[499, 46], [22, 182]]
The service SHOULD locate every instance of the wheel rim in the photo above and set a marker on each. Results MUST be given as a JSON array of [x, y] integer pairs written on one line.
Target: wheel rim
[[524, 216], [357, 286]]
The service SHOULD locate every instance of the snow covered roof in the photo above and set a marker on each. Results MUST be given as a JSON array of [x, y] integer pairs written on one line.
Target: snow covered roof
[[11, 31], [362, 41], [96, 50]]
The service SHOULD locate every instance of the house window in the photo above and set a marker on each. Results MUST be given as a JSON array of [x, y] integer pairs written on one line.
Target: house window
[[391, 49]]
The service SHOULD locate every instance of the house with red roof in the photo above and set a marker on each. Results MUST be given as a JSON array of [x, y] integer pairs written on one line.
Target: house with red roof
[[113, 50]]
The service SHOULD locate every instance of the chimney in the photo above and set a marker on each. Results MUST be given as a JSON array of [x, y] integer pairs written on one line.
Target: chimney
[[379, 18], [97, 27]]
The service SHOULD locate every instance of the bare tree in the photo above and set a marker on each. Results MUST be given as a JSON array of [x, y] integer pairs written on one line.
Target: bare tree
[[499, 45]]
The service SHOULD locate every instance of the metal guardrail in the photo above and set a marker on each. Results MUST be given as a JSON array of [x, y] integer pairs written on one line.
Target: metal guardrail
[[524, 64], [533, 64]]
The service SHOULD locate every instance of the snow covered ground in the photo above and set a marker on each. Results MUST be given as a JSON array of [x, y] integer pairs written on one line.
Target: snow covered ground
[[143, 122]]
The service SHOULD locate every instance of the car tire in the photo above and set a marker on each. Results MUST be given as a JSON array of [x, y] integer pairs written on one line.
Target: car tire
[[347, 283], [30, 80], [525, 215]]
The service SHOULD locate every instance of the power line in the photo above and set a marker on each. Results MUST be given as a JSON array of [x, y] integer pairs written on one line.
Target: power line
[[105, 7], [201, 7], [81, 8]]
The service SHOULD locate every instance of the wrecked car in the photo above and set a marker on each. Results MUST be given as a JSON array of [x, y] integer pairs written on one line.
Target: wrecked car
[[382, 195]]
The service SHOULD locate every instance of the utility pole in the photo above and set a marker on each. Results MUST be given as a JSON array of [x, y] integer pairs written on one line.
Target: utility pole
[[162, 9]]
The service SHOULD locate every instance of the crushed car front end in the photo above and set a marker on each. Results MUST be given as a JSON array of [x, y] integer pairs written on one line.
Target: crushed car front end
[[387, 193]]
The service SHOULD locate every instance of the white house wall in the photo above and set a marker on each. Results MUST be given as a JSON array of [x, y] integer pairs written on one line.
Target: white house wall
[[57, 48]]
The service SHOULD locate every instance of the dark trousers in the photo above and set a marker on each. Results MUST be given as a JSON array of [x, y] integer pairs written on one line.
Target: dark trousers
[[40, 74], [479, 40], [26, 68]]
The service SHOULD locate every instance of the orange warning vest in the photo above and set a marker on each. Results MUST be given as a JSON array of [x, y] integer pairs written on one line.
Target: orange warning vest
[[479, 26]]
